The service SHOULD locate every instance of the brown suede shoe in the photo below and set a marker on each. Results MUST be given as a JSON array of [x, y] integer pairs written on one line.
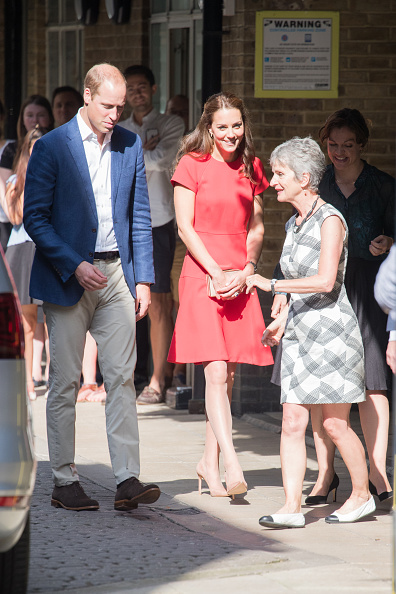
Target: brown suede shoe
[[73, 497], [132, 491]]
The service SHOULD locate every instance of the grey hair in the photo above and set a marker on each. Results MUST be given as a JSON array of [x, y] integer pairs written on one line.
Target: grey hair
[[301, 155]]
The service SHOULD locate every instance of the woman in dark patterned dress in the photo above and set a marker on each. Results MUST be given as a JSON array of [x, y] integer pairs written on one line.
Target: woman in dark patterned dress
[[366, 198]]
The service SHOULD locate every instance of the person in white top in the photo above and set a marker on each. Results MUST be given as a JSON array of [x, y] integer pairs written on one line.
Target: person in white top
[[385, 294], [160, 135]]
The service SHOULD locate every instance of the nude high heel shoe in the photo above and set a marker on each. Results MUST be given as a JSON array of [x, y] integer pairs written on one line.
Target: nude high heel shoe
[[213, 491], [236, 488]]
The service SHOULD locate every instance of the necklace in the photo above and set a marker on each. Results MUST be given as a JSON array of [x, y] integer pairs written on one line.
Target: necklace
[[297, 228]]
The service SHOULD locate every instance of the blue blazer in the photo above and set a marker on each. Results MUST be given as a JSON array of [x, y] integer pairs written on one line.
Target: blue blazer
[[60, 212]]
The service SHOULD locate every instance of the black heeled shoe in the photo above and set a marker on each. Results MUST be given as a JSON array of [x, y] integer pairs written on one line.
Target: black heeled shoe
[[319, 499], [381, 496]]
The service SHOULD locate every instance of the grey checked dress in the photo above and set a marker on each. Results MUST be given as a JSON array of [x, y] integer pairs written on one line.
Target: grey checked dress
[[322, 356]]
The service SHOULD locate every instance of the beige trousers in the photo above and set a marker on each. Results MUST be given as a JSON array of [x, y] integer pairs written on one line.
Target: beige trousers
[[109, 314]]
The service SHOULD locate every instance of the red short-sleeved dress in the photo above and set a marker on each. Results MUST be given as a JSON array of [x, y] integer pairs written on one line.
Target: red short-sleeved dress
[[209, 329]]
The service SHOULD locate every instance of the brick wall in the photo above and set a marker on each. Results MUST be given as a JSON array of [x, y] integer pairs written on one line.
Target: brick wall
[[366, 82], [35, 48], [121, 45]]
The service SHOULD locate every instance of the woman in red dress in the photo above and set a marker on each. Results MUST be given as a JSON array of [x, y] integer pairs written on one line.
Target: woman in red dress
[[219, 211]]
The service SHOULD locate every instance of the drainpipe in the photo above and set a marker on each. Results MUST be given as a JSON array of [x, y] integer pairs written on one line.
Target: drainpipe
[[211, 53], [13, 12]]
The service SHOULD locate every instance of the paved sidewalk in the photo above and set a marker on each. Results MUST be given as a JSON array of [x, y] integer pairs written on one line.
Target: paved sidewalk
[[187, 543]]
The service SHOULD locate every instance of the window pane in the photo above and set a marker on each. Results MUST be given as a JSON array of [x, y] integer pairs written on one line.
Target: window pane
[[53, 60], [159, 63], [179, 61], [53, 12], [158, 6], [70, 74], [69, 13], [180, 4], [197, 109]]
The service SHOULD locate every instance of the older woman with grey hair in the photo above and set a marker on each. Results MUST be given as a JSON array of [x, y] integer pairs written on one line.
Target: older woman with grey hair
[[322, 357]]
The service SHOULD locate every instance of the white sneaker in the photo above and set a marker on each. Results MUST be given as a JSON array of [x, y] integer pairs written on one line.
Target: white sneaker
[[283, 521], [362, 511]]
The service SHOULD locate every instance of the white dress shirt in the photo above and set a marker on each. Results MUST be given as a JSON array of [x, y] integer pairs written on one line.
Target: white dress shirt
[[385, 290], [159, 161], [99, 165]]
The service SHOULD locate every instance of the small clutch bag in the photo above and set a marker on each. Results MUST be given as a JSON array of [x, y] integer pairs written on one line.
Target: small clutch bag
[[209, 282]]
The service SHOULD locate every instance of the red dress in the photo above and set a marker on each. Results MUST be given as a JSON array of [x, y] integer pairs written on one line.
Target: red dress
[[209, 329]]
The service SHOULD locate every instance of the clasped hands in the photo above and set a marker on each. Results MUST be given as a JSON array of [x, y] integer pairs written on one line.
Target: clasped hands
[[229, 289]]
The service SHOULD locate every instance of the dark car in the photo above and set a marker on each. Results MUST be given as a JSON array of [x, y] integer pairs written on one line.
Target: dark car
[[17, 460]]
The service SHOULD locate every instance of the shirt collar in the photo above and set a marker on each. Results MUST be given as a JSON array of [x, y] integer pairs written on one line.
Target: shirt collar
[[147, 118], [87, 133]]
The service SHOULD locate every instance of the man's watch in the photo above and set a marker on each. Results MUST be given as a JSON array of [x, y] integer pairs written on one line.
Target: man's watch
[[273, 281]]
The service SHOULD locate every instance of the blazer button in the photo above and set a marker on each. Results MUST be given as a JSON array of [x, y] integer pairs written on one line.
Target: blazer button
[[91, 254], [94, 230]]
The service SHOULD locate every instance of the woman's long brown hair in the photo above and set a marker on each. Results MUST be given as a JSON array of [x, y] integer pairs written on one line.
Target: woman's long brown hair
[[15, 194], [199, 144]]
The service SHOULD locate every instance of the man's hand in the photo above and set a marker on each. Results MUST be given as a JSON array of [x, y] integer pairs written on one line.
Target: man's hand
[[150, 145], [143, 300], [90, 277], [380, 245], [391, 355]]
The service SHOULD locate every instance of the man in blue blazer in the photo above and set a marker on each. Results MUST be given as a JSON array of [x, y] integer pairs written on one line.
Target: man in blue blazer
[[87, 210]]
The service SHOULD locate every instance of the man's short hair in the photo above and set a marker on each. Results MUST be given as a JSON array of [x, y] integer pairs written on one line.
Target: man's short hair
[[100, 73], [67, 89], [143, 70]]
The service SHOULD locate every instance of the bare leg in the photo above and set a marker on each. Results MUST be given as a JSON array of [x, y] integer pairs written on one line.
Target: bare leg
[[160, 337], [47, 353], [374, 418], [325, 450], [208, 466], [218, 388], [337, 425], [89, 360], [29, 319], [38, 346], [293, 455]]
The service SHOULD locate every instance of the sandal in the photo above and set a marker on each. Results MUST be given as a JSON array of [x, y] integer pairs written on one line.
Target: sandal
[[85, 390], [150, 396]]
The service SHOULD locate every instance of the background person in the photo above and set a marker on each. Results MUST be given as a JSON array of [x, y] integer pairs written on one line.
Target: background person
[[160, 135], [87, 209], [178, 105], [35, 110], [322, 351], [20, 252], [385, 294], [365, 196], [218, 182], [5, 225], [66, 101]]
